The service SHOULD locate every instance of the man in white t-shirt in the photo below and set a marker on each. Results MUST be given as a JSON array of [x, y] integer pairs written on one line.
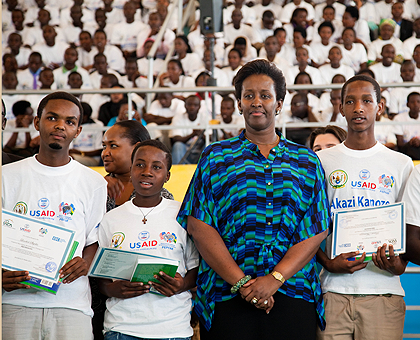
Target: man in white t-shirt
[[362, 173], [51, 186], [387, 71]]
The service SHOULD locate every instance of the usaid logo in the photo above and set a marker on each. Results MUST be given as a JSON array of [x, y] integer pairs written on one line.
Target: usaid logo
[[364, 174], [44, 203]]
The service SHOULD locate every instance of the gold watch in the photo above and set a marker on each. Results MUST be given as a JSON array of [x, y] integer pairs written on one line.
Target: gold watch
[[278, 276]]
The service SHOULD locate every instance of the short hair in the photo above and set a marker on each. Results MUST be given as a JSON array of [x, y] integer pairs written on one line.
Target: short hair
[[125, 101], [201, 74], [185, 40], [412, 94], [387, 45], [365, 79], [279, 29], [301, 74], [19, 108], [75, 72], [87, 109], [366, 71], [112, 78], [62, 96], [326, 24], [301, 30], [336, 76], [353, 11], [100, 30], [338, 132], [158, 145], [8, 55], [134, 131], [328, 7], [261, 67], [349, 29], [99, 55], [268, 14], [296, 12], [237, 51], [86, 32], [178, 62], [239, 41], [15, 33], [228, 99], [35, 54]]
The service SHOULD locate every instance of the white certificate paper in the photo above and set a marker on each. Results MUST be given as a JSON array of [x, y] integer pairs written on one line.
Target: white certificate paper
[[33, 245], [365, 229]]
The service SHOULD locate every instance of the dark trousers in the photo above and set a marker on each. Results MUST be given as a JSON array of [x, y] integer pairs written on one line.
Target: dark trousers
[[290, 318]]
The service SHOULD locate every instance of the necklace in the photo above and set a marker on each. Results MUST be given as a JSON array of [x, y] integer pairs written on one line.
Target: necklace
[[144, 220], [275, 142]]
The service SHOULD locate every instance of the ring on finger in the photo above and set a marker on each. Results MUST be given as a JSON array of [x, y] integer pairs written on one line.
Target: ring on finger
[[266, 302], [254, 300]]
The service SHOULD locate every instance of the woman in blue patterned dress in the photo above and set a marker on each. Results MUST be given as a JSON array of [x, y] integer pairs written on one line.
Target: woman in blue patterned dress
[[257, 210]]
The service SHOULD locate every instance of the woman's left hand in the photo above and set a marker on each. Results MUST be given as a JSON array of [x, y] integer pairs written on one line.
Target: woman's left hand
[[261, 288]]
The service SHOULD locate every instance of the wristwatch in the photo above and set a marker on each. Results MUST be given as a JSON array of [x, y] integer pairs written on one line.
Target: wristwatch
[[278, 276]]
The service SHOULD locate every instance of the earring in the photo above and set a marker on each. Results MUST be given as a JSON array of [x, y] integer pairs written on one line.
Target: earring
[[240, 112], [277, 112]]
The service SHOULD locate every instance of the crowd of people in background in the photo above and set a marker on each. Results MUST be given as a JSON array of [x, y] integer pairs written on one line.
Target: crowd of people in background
[[104, 44]]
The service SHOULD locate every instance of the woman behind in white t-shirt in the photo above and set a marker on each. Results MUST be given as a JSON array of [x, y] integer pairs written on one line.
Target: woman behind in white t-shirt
[[190, 61]]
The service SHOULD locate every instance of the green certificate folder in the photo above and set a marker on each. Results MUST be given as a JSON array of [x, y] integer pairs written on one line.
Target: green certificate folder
[[145, 269]]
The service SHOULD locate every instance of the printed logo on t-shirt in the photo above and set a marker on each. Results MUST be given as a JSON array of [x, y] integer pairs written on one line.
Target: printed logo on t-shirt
[[117, 239], [67, 210], [338, 179], [169, 239], [356, 202], [43, 203], [20, 208], [386, 183], [144, 235], [364, 174]]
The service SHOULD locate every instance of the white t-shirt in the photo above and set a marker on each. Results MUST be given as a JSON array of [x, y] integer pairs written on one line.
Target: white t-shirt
[[150, 315], [183, 82], [191, 63], [375, 48], [61, 78], [398, 103], [177, 106], [114, 57], [231, 33], [328, 72], [339, 10], [387, 74], [125, 35], [385, 133], [411, 198], [290, 7], [354, 57], [316, 76], [408, 131], [25, 184], [362, 185], [181, 119], [51, 54], [89, 140], [21, 138], [409, 46], [320, 51]]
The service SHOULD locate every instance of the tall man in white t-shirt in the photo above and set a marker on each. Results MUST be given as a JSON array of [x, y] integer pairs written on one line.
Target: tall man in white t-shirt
[[361, 173], [54, 187]]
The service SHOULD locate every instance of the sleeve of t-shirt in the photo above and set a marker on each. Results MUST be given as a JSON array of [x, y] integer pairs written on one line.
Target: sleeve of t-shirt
[[95, 213], [191, 256], [398, 129], [411, 197], [316, 218], [199, 201]]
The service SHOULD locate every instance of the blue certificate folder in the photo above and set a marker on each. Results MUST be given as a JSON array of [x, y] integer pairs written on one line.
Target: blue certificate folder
[[25, 236]]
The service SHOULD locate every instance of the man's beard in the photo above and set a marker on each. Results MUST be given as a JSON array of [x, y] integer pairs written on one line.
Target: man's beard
[[55, 146]]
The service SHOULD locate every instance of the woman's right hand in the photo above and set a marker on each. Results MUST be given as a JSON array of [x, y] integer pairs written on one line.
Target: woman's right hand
[[126, 289], [115, 187]]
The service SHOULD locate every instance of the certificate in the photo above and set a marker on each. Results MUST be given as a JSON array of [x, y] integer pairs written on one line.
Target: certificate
[[364, 230], [35, 246], [110, 263]]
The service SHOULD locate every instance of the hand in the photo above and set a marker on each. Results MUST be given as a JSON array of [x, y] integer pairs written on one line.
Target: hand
[[73, 269], [126, 289], [341, 264], [415, 141], [115, 187], [262, 288], [35, 142], [137, 116], [392, 264], [11, 279], [196, 132], [74, 152], [168, 286], [23, 121]]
